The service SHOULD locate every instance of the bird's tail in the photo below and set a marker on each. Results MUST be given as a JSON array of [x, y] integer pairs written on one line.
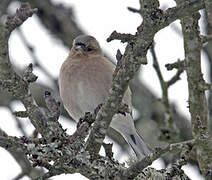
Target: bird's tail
[[138, 145], [125, 126]]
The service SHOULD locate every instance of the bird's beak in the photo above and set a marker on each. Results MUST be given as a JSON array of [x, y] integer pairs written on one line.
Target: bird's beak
[[79, 48]]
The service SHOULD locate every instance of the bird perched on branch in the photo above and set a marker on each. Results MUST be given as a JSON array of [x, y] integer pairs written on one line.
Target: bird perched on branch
[[84, 82]]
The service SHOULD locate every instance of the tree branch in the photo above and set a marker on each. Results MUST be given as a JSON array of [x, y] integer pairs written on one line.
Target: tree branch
[[197, 98], [185, 8], [135, 169], [17, 85], [168, 128], [133, 57]]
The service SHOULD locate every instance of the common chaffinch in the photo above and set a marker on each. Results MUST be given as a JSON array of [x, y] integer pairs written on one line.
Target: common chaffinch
[[84, 81]]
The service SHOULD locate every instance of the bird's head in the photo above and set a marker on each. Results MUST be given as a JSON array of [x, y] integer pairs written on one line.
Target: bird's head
[[85, 45]]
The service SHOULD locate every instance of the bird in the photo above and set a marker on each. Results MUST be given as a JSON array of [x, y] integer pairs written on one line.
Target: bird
[[84, 81]]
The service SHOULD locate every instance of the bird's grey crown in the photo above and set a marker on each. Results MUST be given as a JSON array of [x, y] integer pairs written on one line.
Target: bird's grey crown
[[85, 39]]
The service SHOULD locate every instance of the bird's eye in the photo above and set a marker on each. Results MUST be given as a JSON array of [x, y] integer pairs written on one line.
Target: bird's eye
[[89, 49]]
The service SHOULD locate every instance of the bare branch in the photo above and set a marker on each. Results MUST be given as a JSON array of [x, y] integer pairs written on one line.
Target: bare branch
[[175, 65], [52, 105], [135, 169], [205, 39], [118, 36], [176, 77], [168, 128], [133, 10], [20, 16], [17, 85], [181, 10], [28, 76], [197, 97], [135, 51]]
